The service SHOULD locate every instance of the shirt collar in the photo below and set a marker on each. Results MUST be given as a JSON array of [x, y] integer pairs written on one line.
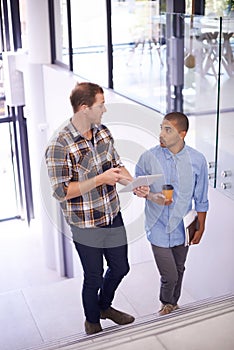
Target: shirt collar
[[76, 134], [168, 154]]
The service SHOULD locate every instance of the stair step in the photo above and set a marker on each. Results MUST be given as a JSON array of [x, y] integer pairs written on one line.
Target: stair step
[[144, 326]]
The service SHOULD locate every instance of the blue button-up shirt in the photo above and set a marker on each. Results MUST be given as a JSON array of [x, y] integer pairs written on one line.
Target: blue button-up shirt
[[187, 172]]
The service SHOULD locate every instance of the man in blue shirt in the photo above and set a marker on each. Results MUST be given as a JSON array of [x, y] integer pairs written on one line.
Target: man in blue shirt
[[186, 169]]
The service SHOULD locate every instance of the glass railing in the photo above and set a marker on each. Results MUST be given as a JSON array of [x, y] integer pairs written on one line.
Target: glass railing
[[208, 45], [225, 154], [207, 92]]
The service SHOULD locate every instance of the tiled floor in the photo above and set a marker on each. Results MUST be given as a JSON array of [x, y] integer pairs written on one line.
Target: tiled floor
[[22, 257], [37, 306]]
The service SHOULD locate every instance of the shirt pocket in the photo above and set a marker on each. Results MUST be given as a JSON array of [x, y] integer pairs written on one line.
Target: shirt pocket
[[105, 151], [82, 166]]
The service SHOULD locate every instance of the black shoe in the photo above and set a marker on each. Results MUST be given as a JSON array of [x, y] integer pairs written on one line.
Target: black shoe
[[116, 316], [92, 328]]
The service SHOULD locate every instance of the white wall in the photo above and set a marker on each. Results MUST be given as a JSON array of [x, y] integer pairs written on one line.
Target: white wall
[[210, 264]]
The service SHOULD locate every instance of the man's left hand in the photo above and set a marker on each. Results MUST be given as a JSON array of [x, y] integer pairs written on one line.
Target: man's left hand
[[197, 237], [141, 191]]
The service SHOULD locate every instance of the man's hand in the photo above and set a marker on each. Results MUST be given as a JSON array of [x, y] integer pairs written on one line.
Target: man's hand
[[141, 191], [197, 238], [201, 224], [110, 176], [159, 198]]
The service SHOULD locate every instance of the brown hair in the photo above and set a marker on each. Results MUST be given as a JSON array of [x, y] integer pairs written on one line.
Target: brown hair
[[181, 120], [84, 94]]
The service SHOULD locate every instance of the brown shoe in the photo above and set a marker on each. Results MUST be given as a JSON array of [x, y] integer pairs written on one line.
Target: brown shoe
[[174, 307], [166, 309], [116, 316], [92, 328]]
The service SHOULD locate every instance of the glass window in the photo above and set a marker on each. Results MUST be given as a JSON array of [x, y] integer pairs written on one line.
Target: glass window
[[139, 51], [6, 27], [9, 200], [217, 7], [23, 23], [2, 92], [89, 38], [212, 7], [163, 60], [61, 31]]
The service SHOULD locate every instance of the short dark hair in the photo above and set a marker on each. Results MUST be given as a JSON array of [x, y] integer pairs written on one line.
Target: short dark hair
[[84, 93], [180, 118]]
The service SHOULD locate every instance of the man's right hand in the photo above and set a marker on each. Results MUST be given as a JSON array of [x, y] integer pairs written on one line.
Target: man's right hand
[[110, 176]]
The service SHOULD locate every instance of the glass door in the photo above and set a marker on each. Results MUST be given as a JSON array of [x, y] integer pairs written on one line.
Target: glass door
[[9, 200], [15, 173]]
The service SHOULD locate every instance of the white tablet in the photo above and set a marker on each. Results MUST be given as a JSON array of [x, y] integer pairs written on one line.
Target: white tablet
[[145, 180]]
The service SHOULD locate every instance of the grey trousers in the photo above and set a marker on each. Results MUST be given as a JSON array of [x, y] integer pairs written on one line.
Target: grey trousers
[[171, 266]]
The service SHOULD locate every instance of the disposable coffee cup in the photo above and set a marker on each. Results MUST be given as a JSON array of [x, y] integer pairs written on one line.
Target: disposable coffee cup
[[167, 191]]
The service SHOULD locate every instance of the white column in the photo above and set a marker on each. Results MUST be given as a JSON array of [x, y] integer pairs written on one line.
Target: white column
[[38, 34], [38, 40]]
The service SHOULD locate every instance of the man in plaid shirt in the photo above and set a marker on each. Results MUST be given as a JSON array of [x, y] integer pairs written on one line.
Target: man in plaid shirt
[[83, 168]]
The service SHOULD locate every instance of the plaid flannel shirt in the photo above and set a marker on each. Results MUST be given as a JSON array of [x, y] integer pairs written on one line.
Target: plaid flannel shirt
[[71, 157]]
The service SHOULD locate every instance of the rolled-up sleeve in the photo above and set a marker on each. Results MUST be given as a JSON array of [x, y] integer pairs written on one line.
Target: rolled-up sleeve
[[201, 188], [58, 169]]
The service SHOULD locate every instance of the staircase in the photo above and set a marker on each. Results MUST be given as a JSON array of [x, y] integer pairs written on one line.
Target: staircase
[[150, 326]]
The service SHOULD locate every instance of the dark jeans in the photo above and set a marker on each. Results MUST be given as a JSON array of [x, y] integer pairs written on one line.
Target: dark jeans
[[98, 290], [171, 266]]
